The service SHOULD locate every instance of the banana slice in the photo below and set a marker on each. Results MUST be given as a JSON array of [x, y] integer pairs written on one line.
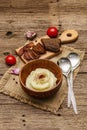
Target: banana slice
[[41, 79]]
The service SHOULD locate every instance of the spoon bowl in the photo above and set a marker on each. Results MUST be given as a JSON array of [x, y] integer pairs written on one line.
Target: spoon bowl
[[65, 65], [74, 59]]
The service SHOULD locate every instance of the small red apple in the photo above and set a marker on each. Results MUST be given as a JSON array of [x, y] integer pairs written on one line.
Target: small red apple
[[10, 60], [52, 32]]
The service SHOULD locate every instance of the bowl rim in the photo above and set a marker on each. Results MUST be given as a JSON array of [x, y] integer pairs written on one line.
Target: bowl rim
[[45, 90]]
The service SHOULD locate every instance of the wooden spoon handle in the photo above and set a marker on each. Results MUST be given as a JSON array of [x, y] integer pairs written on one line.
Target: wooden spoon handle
[[68, 36]]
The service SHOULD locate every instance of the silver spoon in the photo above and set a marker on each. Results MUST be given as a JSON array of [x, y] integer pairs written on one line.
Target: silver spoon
[[75, 62], [65, 65]]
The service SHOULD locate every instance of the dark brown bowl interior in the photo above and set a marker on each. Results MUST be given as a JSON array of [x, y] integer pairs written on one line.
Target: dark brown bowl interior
[[41, 63]]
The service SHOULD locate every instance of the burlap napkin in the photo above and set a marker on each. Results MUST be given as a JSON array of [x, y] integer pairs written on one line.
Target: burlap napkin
[[11, 86]]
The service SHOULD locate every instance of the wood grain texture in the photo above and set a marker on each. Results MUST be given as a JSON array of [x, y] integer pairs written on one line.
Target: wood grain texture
[[19, 17]]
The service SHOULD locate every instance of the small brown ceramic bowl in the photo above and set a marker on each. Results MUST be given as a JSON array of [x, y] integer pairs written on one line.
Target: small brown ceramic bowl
[[41, 63]]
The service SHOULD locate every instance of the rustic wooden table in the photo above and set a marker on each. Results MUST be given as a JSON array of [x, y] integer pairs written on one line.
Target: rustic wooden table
[[18, 16]]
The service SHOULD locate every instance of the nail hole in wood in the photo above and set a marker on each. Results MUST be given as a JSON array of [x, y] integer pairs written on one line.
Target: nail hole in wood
[[59, 34], [24, 124], [35, 40], [9, 33], [16, 82], [69, 34], [54, 14], [51, 1], [31, 12], [59, 114], [23, 115], [23, 120], [59, 25], [6, 53]]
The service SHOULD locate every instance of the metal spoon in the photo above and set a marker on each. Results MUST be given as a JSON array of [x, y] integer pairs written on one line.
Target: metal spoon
[[75, 62], [65, 65]]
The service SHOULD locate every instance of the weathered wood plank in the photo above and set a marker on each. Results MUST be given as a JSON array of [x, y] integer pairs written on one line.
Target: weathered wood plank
[[45, 120], [17, 24], [24, 119], [23, 3], [69, 4]]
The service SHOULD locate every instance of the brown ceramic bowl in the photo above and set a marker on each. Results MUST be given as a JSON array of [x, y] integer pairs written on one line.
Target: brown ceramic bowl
[[41, 63]]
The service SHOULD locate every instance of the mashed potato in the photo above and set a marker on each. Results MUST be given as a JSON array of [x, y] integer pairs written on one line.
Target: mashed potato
[[41, 79]]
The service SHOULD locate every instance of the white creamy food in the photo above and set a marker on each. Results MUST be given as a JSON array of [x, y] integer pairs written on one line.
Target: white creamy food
[[41, 79]]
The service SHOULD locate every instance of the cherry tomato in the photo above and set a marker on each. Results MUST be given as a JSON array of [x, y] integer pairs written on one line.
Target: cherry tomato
[[10, 60], [52, 32]]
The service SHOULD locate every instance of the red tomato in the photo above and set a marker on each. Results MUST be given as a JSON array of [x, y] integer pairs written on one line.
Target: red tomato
[[10, 60], [52, 32]]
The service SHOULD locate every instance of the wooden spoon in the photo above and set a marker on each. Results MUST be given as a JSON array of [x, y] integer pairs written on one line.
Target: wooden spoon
[[66, 37]]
